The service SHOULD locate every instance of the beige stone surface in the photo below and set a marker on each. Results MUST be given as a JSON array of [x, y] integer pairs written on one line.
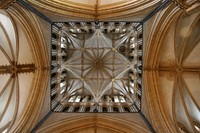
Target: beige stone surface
[[171, 62]]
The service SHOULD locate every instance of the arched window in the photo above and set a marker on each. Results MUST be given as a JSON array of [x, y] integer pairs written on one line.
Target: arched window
[[87, 109], [126, 109], [115, 109], [65, 109], [76, 109], [105, 109]]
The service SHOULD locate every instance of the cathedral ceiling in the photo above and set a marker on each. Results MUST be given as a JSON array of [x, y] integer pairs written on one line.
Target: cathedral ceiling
[[78, 11], [171, 66], [17, 70], [20, 69], [100, 64]]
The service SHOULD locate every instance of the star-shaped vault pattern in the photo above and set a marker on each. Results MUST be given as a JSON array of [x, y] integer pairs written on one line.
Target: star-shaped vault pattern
[[96, 66]]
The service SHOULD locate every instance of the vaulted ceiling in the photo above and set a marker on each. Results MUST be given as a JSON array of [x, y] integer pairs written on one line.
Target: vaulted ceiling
[[171, 65]]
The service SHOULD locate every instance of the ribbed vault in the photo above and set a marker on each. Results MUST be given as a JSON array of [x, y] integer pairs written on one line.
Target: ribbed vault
[[20, 68], [14, 69], [96, 66], [173, 64], [171, 75], [99, 123]]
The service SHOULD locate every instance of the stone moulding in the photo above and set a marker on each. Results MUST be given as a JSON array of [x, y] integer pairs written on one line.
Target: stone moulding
[[83, 122], [95, 12], [31, 27]]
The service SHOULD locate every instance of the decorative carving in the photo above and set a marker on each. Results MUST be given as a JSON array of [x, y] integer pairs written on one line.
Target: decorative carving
[[185, 3], [19, 68], [33, 31], [4, 4], [96, 68]]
